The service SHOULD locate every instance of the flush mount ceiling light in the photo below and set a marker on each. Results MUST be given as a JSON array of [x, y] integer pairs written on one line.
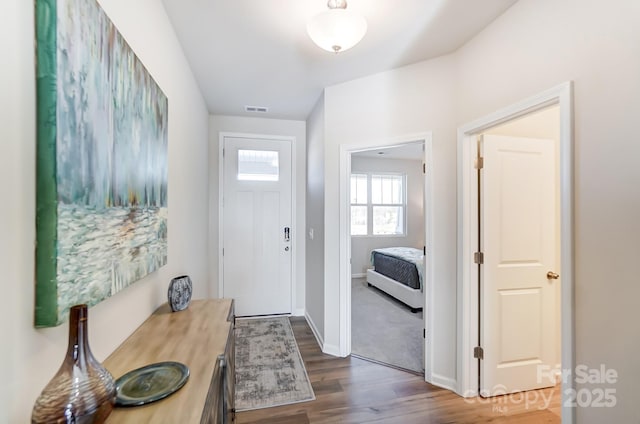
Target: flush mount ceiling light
[[337, 29]]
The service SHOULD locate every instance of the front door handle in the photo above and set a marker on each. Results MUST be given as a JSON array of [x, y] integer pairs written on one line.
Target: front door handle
[[552, 275], [286, 234]]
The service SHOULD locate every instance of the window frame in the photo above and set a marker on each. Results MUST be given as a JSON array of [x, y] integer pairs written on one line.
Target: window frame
[[370, 205]]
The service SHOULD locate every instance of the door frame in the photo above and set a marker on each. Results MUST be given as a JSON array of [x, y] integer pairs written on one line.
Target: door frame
[[294, 226], [346, 150], [561, 95]]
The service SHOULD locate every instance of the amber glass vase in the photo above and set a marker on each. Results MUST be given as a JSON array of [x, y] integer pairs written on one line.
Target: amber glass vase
[[82, 391]]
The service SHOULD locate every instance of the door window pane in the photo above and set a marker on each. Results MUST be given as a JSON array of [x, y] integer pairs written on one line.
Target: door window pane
[[258, 165]]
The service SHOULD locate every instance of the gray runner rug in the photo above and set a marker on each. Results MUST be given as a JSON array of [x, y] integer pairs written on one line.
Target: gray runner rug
[[269, 368]]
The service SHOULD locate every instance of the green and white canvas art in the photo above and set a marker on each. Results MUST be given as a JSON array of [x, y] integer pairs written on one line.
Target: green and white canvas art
[[101, 217]]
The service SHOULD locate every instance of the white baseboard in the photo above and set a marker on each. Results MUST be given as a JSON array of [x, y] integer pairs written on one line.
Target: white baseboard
[[332, 350], [300, 312], [360, 275], [466, 394], [444, 382], [314, 330], [328, 349]]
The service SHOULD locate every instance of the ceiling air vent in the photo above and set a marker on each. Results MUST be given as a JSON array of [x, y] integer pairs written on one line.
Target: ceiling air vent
[[257, 109]]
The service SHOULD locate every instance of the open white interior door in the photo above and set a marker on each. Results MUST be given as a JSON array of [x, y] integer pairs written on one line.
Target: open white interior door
[[518, 282], [257, 233]]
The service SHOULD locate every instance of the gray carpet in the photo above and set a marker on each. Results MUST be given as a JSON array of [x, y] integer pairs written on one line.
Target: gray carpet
[[269, 368], [384, 329]]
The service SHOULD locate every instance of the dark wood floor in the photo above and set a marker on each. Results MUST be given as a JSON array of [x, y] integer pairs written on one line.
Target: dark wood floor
[[352, 390]]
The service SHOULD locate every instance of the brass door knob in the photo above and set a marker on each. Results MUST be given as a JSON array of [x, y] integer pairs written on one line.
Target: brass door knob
[[552, 275]]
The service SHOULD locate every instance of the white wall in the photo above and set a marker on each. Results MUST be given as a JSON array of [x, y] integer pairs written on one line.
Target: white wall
[[535, 45], [361, 246], [29, 357], [372, 111], [260, 126], [315, 219]]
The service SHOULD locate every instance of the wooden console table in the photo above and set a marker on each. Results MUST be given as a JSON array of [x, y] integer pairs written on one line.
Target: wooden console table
[[201, 337]]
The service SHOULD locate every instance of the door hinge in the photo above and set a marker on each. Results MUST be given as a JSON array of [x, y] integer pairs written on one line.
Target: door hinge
[[223, 251], [424, 333], [424, 168], [223, 152], [478, 258], [479, 162], [424, 250], [478, 352]]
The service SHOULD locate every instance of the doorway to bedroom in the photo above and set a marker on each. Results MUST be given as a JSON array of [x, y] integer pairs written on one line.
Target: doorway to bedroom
[[387, 229]]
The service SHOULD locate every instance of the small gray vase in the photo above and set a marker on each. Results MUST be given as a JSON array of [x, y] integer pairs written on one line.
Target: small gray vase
[[179, 293]]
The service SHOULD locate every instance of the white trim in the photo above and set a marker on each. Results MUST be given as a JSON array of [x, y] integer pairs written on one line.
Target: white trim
[[346, 150], [562, 95], [294, 226], [332, 350], [298, 312], [221, 137], [444, 382], [359, 275], [467, 181], [344, 347], [314, 330], [429, 276]]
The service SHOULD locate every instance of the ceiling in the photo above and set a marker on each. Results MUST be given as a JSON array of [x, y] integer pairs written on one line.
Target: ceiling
[[410, 151], [258, 53]]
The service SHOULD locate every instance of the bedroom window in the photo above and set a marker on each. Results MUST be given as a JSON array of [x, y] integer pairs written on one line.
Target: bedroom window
[[378, 203], [359, 204]]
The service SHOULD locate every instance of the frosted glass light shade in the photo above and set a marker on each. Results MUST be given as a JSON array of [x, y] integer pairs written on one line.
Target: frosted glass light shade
[[337, 30]]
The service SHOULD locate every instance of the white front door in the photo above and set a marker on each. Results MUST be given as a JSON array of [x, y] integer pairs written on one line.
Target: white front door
[[519, 230], [257, 233]]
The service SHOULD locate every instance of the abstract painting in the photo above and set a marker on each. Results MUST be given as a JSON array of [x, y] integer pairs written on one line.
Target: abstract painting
[[101, 219]]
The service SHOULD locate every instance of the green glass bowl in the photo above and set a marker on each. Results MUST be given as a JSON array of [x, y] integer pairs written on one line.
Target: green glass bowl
[[150, 383]]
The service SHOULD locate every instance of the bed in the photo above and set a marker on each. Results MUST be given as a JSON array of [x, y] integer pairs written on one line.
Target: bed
[[398, 271]]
